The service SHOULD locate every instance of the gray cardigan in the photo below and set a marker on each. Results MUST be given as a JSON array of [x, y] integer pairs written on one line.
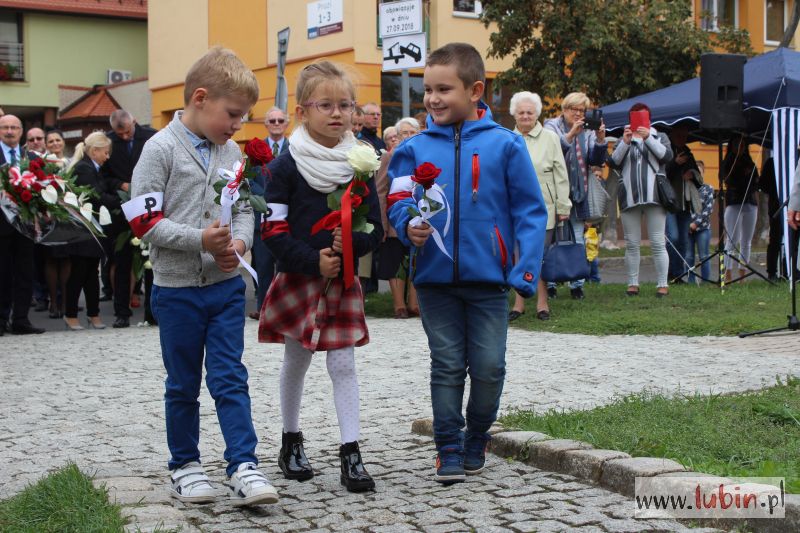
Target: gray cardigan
[[170, 164], [637, 186]]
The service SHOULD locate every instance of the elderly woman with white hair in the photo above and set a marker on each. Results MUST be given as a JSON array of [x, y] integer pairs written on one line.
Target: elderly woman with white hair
[[392, 252], [544, 148]]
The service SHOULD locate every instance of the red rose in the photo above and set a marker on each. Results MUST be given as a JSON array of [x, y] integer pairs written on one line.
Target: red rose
[[426, 174], [37, 186], [26, 196], [258, 151], [36, 166]]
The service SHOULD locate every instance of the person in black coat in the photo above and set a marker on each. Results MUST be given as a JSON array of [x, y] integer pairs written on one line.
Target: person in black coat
[[16, 250], [85, 256], [127, 141]]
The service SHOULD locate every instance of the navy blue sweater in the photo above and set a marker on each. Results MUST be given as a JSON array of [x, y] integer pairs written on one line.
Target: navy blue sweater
[[288, 234]]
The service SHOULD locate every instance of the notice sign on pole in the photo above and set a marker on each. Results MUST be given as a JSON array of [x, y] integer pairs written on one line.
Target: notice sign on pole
[[404, 51], [324, 17], [400, 18]]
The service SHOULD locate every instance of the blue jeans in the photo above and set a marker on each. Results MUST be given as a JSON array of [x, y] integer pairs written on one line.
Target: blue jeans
[[577, 227], [194, 320], [466, 329], [264, 265], [677, 229], [700, 239]]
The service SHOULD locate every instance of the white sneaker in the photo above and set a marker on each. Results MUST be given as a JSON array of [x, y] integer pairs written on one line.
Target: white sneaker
[[191, 484], [248, 486]]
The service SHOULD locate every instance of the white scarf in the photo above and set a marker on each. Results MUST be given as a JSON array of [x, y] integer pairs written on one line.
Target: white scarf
[[324, 169]]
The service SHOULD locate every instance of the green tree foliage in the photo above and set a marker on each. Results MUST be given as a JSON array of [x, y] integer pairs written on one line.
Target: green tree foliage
[[609, 49]]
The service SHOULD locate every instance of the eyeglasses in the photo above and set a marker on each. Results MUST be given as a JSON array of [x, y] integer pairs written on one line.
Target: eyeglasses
[[579, 110], [376, 114], [326, 108], [276, 121], [35, 139], [10, 127]]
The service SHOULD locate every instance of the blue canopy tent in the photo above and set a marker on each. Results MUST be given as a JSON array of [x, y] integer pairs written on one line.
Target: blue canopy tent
[[771, 105]]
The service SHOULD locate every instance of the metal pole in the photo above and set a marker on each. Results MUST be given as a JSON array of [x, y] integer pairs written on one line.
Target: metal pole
[[405, 89]]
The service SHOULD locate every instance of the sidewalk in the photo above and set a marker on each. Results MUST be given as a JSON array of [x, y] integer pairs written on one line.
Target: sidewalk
[[95, 398]]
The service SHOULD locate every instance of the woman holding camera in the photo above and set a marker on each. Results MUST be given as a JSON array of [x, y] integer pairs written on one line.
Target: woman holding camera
[[639, 156], [582, 147]]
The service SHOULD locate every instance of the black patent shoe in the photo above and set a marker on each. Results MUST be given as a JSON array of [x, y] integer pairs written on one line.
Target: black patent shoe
[[292, 459], [354, 476]]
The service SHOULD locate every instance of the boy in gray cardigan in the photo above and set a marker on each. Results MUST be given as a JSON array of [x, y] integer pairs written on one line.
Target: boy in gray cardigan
[[198, 295]]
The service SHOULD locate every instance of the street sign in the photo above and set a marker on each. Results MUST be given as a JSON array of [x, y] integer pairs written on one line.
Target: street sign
[[404, 51], [324, 17], [400, 18]]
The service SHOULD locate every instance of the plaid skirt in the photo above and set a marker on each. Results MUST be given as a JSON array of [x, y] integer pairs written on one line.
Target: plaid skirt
[[297, 307]]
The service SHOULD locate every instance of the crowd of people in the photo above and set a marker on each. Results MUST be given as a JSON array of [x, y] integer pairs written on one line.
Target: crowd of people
[[511, 193]]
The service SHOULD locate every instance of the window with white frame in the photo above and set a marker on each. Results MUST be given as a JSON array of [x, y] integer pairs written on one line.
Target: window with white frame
[[718, 13], [774, 20], [467, 7]]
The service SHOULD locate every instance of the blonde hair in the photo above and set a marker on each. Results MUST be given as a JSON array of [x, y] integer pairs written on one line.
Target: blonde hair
[[315, 74], [221, 73], [93, 141], [575, 99], [526, 96]]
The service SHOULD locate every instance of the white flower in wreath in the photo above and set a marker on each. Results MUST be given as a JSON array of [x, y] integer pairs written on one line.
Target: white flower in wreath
[[136, 241], [148, 265], [105, 216], [86, 211], [71, 199], [50, 194], [363, 159]]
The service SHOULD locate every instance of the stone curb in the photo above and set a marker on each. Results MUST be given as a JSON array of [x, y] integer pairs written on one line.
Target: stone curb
[[612, 470]]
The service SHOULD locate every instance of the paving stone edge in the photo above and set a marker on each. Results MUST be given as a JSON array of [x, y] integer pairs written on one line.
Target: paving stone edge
[[611, 469]]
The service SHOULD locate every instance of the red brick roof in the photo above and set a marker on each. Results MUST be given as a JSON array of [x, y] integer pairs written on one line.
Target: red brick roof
[[96, 103], [134, 9]]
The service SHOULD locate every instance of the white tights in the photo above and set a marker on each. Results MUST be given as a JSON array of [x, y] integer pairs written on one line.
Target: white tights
[[342, 370]]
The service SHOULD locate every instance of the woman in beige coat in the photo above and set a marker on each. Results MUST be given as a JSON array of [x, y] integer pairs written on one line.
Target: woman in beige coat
[[544, 148]]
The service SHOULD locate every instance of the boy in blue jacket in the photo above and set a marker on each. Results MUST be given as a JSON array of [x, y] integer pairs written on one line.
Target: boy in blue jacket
[[485, 200]]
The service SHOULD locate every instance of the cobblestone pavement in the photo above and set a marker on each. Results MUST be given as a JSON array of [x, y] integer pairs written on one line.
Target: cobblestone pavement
[[95, 397]]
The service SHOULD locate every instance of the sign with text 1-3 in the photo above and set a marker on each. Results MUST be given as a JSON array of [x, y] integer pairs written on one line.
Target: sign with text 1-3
[[324, 17], [404, 51], [400, 18]]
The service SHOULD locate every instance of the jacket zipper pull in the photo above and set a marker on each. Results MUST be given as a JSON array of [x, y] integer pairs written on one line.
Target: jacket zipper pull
[[476, 175]]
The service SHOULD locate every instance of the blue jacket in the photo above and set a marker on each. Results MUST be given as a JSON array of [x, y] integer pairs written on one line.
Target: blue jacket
[[495, 200]]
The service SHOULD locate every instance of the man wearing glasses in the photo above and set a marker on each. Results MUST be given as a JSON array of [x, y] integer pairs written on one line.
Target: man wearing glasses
[[16, 250], [35, 141], [372, 121], [276, 122]]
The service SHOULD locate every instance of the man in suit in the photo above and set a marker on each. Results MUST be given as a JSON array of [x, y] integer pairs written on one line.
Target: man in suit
[[127, 140], [372, 121], [16, 250], [276, 122]]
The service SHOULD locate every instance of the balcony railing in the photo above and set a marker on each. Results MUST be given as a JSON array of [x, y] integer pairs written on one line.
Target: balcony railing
[[12, 64]]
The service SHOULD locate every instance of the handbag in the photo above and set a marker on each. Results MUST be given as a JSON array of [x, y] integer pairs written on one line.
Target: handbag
[[665, 194], [597, 199], [565, 258]]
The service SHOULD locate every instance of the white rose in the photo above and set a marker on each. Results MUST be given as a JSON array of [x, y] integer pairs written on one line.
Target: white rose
[[363, 159]]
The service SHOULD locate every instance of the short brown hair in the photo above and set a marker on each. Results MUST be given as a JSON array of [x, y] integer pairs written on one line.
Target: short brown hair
[[315, 74], [221, 72], [466, 59]]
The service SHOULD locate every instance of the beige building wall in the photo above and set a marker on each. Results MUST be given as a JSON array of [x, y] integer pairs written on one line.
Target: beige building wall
[[177, 34], [135, 98]]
